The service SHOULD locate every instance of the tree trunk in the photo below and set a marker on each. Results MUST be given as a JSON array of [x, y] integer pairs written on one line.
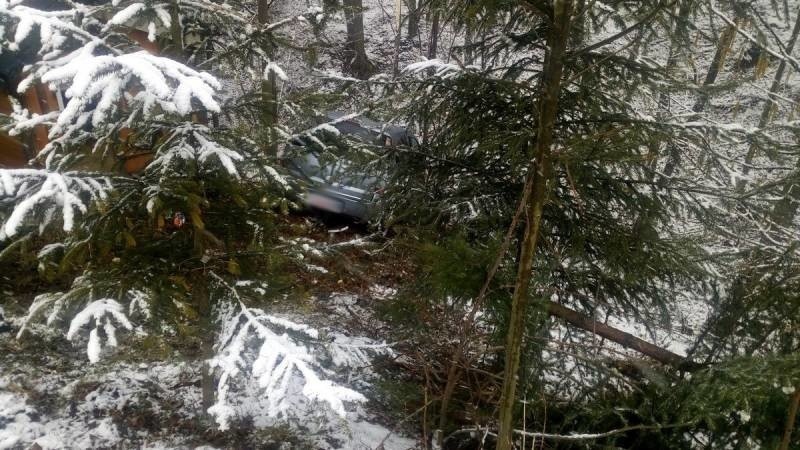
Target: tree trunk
[[468, 53], [433, 44], [723, 48], [202, 302], [769, 107], [413, 18], [356, 62], [790, 419], [726, 39], [539, 191], [176, 32], [398, 23], [453, 375], [434, 39], [329, 6], [269, 90], [786, 208], [262, 14], [269, 111]]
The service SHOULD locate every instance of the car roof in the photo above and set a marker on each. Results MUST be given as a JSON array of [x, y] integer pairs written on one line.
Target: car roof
[[366, 128]]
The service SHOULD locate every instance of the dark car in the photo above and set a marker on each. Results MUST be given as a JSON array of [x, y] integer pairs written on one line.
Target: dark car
[[333, 183]]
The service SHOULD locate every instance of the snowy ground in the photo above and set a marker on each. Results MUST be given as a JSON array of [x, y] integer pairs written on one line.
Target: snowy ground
[[66, 403]]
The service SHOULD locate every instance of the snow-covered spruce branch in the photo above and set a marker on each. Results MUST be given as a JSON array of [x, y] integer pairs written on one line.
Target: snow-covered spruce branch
[[100, 314], [440, 68], [141, 12], [191, 143], [95, 77], [105, 79], [28, 191], [55, 27], [301, 249], [279, 363]]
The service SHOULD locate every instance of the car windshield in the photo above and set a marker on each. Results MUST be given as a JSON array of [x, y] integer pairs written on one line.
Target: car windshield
[[347, 157]]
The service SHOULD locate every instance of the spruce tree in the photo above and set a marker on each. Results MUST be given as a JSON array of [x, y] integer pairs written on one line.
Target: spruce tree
[[639, 208], [160, 248]]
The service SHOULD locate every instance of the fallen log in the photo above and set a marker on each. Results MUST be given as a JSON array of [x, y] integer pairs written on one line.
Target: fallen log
[[622, 338]]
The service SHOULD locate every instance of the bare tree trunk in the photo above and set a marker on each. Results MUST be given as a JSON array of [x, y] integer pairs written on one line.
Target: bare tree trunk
[[269, 90], [262, 14], [356, 62], [664, 102], [790, 419], [786, 208], [198, 281], [468, 53], [769, 107], [433, 43], [538, 196], [413, 18], [398, 23], [328, 6], [453, 375], [723, 48], [176, 32], [202, 302]]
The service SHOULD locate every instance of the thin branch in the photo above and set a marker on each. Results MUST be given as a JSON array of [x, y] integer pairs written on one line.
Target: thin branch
[[622, 33], [575, 437], [780, 56]]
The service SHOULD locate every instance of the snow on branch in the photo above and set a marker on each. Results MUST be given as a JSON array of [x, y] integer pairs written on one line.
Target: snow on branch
[[29, 190], [355, 352], [88, 79], [278, 362], [95, 77], [101, 312], [52, 301], [192, 143], [55, 27], [441, 69], [139, 12], [271, 68], [139, 302]]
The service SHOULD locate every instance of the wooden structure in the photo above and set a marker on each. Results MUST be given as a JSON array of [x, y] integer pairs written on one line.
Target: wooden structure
[[19, 151]]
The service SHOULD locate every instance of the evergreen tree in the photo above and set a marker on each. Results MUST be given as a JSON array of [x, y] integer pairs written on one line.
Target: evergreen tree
[[637, 212], [160, 248]]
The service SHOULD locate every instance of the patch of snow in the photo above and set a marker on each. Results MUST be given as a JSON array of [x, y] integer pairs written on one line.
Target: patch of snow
[[368, 436]]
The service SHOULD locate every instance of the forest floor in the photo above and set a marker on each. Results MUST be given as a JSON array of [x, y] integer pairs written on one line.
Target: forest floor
[[148, 395]]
